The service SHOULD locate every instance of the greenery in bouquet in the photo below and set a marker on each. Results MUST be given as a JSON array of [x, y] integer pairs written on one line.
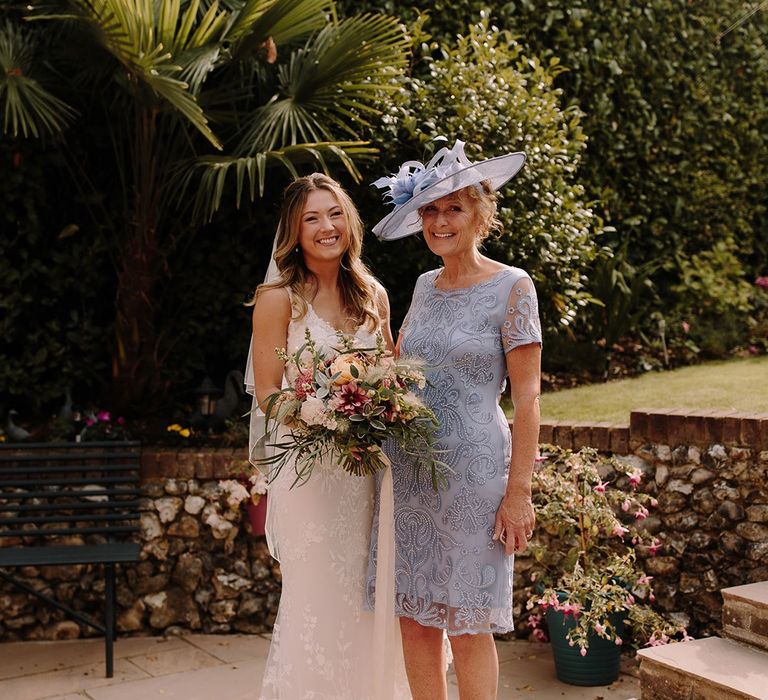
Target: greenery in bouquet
[[99, 426], [344, 405], [585, 563]]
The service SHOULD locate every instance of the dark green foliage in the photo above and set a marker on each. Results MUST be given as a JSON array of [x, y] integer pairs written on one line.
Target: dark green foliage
[[675, 96], [54, 324], [484, 90]]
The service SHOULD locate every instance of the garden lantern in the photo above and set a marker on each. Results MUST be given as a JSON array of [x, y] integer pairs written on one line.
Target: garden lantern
[[207, 396]]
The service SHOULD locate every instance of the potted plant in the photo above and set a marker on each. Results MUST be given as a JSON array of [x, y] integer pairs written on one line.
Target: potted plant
[[588, 585]]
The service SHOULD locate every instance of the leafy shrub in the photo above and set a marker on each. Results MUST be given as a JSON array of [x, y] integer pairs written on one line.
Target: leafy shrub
[[484, 90]]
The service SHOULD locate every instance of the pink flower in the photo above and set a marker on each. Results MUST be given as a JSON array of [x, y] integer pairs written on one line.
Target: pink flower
[[654, 502], [352, 399], [635, 477], [762, 281], [583, 651], [539, 458], [619, 530], [303, 384], [753, 349], [570, 609], [618, 641], [654, 547], [90, 421], [641, 514], [540, 635], [103, 416], [599, 629], [534, 621], [625, 505], [600, 488], [121, 420], [630, 600], [644, 580], [685, 326]]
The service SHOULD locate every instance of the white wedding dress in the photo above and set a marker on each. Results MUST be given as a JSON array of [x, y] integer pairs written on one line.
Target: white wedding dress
[[323, 639]]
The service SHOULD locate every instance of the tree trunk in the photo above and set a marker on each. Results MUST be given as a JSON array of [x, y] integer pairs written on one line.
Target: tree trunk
[[137, 384]]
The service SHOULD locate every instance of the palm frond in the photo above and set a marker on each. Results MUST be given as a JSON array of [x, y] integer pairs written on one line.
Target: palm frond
[[337, 78], [208, 175], [283, 20], [28, 108], [141, 35]]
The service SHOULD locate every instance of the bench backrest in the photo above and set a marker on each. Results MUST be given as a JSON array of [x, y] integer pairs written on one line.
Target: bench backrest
[[52, 490]]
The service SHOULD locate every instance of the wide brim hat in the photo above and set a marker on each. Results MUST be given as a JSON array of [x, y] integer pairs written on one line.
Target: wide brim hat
[[449, 170]]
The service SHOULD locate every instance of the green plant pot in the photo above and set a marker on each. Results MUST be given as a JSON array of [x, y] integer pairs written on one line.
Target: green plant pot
[[600, 666]]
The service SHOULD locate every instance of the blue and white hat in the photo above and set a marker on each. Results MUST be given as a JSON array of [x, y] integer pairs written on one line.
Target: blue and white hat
[[448, 171]]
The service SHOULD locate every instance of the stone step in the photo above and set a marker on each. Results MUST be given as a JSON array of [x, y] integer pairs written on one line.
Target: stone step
[[711, 668], [745, 614]]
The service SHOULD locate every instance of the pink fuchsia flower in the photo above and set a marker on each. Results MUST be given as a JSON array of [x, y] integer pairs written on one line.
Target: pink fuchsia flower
[[540, 635], [630, 600], [570, 609], [583, 651], [351, 399], [653, 548], [600, 487], [762, 281], [619, 530], [90, 421], [626, 504], [103, 416], [635, 477], [641, 514], [618, 641], [599, 629], [539, 458], [534, 621], [685, 326], [644, 580], [120, 420], [753, 349], [654, 502]]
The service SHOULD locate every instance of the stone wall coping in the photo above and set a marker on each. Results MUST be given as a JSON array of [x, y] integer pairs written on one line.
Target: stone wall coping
[[667, 426]]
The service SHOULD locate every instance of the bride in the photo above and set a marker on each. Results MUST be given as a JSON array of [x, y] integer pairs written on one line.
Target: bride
[[323, 646]]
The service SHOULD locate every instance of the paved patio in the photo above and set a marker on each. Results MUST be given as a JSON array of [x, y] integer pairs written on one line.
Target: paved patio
[[229, 667]]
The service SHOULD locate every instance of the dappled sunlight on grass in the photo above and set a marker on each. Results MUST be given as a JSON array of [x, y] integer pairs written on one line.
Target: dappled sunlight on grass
[[740, 384]]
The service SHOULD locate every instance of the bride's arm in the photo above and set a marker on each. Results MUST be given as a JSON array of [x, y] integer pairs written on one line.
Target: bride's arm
[[271, 316], [382, 303]]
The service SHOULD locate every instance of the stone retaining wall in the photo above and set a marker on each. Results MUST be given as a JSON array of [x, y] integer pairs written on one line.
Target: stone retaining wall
[[708, 471]]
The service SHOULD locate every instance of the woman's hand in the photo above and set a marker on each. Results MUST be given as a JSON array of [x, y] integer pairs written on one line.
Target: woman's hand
[[515, 520]]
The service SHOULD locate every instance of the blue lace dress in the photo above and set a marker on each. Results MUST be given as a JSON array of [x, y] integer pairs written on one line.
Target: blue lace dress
[[449, 572]]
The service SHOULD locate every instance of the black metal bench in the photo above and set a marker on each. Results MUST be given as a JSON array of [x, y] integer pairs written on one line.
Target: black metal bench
[[86, 490]]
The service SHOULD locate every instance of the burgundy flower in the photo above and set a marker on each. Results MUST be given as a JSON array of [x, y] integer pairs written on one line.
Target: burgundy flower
[[303, 385], [351, 399]]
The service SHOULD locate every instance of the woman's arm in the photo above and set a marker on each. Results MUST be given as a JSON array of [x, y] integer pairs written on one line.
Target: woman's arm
[[515, 514], [271, 316]]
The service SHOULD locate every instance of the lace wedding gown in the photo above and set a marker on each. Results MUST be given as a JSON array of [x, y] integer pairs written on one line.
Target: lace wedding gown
[[323, 645]]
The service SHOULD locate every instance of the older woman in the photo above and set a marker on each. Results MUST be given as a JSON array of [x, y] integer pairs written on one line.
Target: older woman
[[474, 322]]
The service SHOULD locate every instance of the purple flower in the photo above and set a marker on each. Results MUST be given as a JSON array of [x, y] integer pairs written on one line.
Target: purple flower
[[103, 416], [90, 421]]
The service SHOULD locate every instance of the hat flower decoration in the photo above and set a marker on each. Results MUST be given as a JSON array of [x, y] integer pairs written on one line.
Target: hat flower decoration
[[449, 170]]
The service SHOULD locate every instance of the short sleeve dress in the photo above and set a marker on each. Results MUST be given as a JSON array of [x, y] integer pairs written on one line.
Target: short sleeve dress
[[449, 572]]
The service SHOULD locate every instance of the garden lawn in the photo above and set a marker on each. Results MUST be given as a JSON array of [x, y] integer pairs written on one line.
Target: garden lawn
[[740, 384]]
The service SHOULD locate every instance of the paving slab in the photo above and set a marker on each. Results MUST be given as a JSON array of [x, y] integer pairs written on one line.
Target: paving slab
[[198, 667]]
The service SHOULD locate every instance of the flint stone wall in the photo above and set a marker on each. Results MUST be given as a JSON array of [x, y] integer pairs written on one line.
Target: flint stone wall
[[211, 578], [708, 471]]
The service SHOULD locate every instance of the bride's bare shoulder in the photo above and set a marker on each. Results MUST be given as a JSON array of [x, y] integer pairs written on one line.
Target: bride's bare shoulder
[[274, 301]]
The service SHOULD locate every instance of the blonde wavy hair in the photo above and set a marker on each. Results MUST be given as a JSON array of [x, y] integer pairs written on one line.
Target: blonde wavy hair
[[358, 285]]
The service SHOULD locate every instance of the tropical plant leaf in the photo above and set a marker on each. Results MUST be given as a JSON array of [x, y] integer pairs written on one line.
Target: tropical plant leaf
[[283, 20], [28, 108], [336, 78], [132, 31], [251, 171]]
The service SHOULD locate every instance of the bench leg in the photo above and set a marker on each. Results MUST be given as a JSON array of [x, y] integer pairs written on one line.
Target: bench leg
[[109, 616]]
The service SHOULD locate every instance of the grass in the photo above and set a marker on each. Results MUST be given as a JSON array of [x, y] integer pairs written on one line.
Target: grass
[[740, 384]]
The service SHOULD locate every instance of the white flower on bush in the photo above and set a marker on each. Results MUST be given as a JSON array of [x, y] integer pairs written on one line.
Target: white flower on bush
[[234, 492], [259, 485]]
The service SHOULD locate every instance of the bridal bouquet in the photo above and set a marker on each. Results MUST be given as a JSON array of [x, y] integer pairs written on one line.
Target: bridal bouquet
[[345, 404]]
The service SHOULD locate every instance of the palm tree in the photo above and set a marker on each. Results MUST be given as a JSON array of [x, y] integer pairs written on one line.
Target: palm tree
[[199, 100]]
